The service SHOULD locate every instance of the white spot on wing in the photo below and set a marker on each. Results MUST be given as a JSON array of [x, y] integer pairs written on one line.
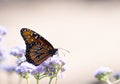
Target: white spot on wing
[[25, 30], [36, 37], [35, 33], [31, 34]]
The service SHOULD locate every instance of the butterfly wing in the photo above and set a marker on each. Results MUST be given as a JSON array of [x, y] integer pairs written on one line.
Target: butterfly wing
[[38, 49]]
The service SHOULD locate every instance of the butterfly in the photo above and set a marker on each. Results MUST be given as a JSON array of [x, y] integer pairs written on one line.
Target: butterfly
[[38, 49]]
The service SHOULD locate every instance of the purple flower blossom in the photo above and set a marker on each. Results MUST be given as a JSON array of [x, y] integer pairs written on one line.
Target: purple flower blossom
[[1, 38], [102, 70], [24, 68], [103, 73], [55, 60], [8, 68], [20, 60], [18, 51], [3, 54], [50, 67], [117, 76], [38, 70], [3, 30]]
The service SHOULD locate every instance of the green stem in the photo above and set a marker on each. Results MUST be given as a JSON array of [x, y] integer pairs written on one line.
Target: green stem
[[27, 80], [57, 75], [37, 81], [56, 80], [116, 81], [50, 80], [108, 81], [43, 77]]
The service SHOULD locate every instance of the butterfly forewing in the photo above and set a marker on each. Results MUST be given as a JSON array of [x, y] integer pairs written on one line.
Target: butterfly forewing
[[38, 49]]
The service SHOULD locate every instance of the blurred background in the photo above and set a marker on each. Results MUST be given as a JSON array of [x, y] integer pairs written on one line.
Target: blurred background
[[89, 29]]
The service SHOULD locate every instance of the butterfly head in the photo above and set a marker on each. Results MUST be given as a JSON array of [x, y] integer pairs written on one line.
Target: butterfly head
[[54, 52]]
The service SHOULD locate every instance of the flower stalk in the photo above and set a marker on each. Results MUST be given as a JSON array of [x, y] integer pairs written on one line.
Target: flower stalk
[[27, 80], [117, 81], [50, 80], [37, 81], [108, 81]]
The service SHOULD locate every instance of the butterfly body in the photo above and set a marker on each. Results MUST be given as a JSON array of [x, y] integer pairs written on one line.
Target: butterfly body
[[38, 49]]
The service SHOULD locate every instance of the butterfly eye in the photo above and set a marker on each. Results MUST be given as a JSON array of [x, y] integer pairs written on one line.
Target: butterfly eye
[[38, 49]]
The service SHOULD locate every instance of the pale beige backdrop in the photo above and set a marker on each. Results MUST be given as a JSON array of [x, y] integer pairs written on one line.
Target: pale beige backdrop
[[89, 30]]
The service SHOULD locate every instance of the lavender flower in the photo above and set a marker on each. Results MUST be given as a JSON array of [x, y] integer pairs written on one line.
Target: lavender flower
[[1, 38], [56, 64], [20, 60], [3, 30], [17, 51], [38, 70], [3, 54], [50, 68], [24, 69], [117, 76], [103, 73], [8, 68]]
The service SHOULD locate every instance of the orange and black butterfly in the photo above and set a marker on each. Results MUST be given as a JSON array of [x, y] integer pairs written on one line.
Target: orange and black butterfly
[[38, 49]]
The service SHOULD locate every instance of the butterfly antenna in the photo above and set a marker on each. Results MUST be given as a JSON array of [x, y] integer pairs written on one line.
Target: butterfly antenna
[[64, 50]]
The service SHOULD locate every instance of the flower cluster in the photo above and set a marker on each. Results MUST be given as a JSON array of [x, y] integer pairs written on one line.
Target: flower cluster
[[117, 76], [3, 32], [17, 51], [8, 68], [52, 67], [103, 74], [24, 69], [2, 55]]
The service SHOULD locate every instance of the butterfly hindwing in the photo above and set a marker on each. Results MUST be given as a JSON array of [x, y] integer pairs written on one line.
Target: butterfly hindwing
[[38, 54], [38, 49]]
